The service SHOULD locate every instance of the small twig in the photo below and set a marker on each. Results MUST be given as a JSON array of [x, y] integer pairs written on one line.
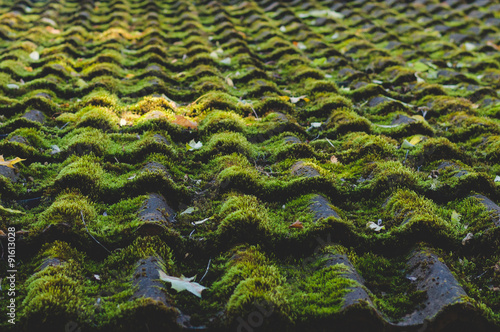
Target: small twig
[[84, 224], [256, 116], [406, 156], [192, 232], [208, 266], [329, 142], [67, 123]]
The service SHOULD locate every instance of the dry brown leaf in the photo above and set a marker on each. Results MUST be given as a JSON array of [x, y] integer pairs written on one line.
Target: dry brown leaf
[[184, 122], [53, 30], [334, 160], [492, 44], [129, 76], [296, 224]]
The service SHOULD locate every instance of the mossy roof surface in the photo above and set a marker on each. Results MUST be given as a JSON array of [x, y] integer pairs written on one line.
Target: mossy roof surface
[[317, 165]]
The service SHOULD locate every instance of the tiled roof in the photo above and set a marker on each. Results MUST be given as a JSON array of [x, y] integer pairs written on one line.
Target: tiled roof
[[317, 165]]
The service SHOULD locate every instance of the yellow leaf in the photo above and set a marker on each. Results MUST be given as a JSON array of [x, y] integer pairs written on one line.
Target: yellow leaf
[[306, 100], [285, 98], [10, 163], [416, 139]]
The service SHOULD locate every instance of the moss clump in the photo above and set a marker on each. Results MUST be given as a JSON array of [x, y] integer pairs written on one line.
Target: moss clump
[[393, 293], [390, 175], [102, 118], [323, 104], [87, 140], [55, 295], [34, 136], [370, 147], [67, 209], [226, 143], [84, 173], [219, 121], [142, 247], [407, 207], [244, 219], [250, 278], [149, 103], [100, 98], [344, 120]]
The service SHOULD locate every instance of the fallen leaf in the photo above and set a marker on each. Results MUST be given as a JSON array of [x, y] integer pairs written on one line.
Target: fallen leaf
[[189, 210], [35, 55], [374, 226], [334, 160], [174, 61], [316, 124], [226, 61], [416, 139], [2, 233], [30, 69], [52, 30], [13, 86], [407, 145], [229, 82], [296, 224], [129, 76], [497, 178], [295, 100], [55, 149], [192, 145], [9, 163], [185, 122], [132, 177], [492, 44], [469, 46], [322, 13], [183, 283]]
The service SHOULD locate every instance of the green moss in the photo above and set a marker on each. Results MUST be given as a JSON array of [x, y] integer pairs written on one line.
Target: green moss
[[393, 293], [250, 277], [84, 173], [226, 143], [35, 137], [98, 117], [244, 219], [149, 103], [344, 120], [55, 295], [323, 104], [66, 209], [142, 247], [87, 140], [390, 175], [407, 207], [370, 147], [218, 121]]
